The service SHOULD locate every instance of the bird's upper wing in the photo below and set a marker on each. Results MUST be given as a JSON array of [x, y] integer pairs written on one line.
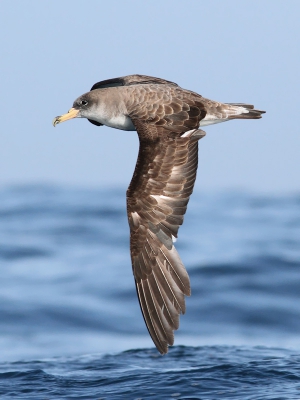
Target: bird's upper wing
[[131, 80], [157, 199]]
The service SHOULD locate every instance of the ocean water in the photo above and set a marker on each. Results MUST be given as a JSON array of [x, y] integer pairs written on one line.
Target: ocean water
[[70, 323]]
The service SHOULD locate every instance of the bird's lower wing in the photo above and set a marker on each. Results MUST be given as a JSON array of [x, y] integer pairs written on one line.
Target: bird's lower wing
[[157, 199]]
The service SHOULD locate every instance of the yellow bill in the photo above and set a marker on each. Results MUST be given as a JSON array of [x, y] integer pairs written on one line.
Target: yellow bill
[[72, 113]]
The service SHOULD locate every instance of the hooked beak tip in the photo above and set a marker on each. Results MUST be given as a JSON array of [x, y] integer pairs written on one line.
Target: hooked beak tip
[[72, 113]]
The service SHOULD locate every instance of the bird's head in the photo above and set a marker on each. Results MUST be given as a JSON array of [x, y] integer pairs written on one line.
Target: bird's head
[[83, 107]]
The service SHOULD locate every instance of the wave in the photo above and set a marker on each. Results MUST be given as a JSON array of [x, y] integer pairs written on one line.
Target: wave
[[209, 372]]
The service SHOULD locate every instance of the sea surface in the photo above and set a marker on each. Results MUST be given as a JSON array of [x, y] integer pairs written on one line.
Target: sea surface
[[70, 323]]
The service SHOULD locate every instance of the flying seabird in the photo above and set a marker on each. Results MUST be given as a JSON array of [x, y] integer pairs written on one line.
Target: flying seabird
[[167, 119]]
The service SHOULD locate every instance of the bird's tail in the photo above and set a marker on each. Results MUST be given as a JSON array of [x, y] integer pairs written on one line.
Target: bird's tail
[[221, 112], [244, 111]]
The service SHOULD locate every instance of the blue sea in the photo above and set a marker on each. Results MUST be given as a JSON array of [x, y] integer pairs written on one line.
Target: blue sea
[[70, 322]]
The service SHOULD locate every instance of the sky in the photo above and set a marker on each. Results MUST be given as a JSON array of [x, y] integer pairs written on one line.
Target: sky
[[230, 51]]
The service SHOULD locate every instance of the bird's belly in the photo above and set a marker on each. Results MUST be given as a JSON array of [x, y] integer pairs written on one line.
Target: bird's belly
[[120, 121], [211, 119]]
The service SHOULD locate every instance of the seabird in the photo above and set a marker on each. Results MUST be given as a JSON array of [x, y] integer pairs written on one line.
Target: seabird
[[167, 119]]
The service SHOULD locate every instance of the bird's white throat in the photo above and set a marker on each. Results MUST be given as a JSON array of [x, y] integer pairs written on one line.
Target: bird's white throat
[[120, 121], [112, 119]]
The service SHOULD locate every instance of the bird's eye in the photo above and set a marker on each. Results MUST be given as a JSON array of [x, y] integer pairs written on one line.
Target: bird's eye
[[83, 102]]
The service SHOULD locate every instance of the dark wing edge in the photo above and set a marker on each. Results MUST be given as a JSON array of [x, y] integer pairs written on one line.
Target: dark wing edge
[[130, 80], [157, 199]]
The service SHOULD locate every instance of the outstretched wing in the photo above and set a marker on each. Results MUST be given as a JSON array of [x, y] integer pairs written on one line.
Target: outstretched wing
[[157, 199]]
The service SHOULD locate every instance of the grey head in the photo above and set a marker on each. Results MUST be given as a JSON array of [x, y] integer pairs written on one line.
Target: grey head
[[84, 106]]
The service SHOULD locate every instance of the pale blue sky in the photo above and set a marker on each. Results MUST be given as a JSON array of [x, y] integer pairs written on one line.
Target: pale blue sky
[[231, 51]]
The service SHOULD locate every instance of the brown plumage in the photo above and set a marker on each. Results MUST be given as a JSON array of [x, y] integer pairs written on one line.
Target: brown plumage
[[167, 119]]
